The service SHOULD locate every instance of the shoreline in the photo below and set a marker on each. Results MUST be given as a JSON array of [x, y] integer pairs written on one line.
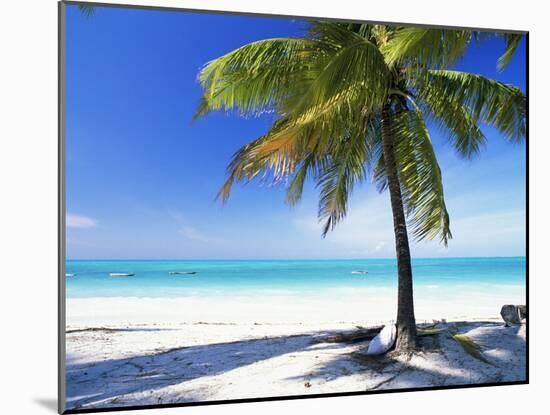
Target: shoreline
[[366, 307]]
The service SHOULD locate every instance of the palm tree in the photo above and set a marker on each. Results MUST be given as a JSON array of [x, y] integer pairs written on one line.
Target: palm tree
[[351, 99]]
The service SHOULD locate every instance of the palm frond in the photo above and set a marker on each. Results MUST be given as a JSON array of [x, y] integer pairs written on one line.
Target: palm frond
[[429, 331], [460, 101], [350, 70], [343, 170], [465, 341], [470, 347], [254, 77], [437, 48], [296, 187], [454, 120], [86, 10], [512, 42], [420, 177], [275, 157]]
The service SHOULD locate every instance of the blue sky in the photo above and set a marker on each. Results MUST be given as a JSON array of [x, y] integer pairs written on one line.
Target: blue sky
[[142, 179]]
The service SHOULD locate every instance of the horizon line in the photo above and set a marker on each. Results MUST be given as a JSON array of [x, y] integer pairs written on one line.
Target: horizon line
[[284, 259]]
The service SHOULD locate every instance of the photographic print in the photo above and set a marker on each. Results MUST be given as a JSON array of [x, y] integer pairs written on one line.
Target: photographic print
[[258, 207]]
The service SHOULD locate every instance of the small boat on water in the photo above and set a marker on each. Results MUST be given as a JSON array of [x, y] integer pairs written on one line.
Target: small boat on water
[[70, 275], [121, 274], [360, 271], [182, 272]]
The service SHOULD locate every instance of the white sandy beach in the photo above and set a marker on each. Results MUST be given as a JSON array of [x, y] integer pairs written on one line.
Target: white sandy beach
[[224, 348]]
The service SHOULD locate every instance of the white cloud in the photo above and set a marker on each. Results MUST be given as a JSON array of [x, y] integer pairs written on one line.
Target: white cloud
[[309, 224], [367, 231], [79, 221], [176, 215], [194, 234], [368, 224], [380, 246], [492, 225]]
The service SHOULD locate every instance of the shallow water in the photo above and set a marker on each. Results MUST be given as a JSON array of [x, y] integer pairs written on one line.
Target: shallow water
[[441, 277]]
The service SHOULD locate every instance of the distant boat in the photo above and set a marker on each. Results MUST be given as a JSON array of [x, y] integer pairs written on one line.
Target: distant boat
[[182, 272], [360, 271], [121, 274], [70, 275]]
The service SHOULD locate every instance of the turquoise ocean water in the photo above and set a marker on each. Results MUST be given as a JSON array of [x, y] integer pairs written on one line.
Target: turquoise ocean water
[[287, 277]]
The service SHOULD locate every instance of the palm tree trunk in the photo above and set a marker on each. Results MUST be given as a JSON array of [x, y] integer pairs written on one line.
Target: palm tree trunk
[[406, 323]]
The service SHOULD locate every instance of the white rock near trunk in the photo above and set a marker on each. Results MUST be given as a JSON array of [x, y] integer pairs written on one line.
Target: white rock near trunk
[[383, 341]]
